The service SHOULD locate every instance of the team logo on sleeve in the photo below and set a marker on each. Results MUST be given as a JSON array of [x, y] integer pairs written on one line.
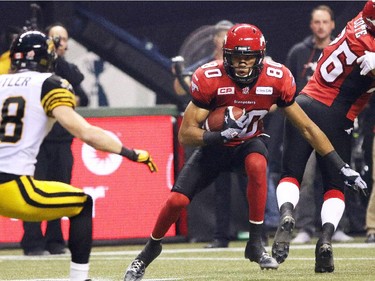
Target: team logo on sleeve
[[226, 91], [194, 87], [65, 84], [264, 91]]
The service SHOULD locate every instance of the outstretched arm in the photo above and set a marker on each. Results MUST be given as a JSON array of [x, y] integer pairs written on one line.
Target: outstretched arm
[[97, 137]]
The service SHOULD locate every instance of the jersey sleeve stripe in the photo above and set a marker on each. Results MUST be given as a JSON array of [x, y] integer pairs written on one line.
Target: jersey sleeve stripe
[[58, 97]]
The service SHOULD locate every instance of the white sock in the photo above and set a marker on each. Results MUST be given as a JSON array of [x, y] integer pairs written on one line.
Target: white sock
[[332, 211], [287, 192], [79, 272]]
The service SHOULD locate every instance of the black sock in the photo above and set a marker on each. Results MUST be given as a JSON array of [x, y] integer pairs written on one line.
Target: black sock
[[150, 251], [286, 209], [327, 231]]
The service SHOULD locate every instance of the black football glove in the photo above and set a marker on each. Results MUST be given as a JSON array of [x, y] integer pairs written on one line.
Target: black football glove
[[232, 127], [353, 180]]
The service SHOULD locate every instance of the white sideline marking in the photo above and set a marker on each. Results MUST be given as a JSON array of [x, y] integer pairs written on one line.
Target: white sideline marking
[[119, 254], [163, 279]]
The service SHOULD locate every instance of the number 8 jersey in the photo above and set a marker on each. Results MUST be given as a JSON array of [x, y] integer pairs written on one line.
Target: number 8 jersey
[[26, 100], [337, 81], [211, 87]]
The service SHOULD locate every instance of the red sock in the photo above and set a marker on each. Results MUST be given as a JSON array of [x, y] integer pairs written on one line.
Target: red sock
[[256, 170]]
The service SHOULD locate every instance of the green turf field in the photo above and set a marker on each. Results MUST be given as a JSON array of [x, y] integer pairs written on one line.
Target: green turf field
[[190, 261]]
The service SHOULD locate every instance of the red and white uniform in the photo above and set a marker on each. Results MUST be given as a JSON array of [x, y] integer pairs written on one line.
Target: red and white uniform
[[337, 81], [211, 88]]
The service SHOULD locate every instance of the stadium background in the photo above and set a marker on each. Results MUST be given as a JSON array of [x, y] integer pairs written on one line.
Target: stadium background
[[156, 31]]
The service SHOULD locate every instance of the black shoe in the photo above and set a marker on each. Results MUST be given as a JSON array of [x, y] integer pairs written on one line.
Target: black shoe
[[258, 254], [36, 252], [280, 246], [135, 271], [370, 238], [56, 249], [264, 240], [217, 244], [323, 257], [137, 268]]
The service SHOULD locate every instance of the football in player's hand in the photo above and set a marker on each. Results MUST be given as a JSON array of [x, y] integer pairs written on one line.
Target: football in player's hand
[[215, 120]]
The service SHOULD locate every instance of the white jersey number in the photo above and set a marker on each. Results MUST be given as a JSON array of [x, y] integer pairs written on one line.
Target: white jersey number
[[333, 67], [11, 124]]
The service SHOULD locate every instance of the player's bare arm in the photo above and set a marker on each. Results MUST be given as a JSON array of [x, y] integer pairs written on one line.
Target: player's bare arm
[[191, 132], [80, 128], [309, 130]]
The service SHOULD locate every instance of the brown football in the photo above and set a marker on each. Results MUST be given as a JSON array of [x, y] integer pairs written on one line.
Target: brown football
[[215, 120]]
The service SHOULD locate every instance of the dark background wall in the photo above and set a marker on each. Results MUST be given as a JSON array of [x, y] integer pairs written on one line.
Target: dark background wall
[[167, 23]]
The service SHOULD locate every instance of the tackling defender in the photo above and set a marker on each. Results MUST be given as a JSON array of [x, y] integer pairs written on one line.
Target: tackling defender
[[31, 100], [243, 79], [339, 89]]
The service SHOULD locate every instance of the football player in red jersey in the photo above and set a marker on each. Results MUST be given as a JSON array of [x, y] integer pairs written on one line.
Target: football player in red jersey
[[242, 79], [337, 92]]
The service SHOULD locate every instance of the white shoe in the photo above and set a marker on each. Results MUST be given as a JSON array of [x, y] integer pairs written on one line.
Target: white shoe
[[340, 236], [302, 238]]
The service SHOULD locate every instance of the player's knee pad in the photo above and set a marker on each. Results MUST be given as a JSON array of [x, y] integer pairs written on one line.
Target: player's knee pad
[[255, 163], [178, 200]]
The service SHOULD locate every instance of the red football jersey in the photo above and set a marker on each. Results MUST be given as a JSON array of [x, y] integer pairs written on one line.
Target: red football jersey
[[337, 80], [211, 87]]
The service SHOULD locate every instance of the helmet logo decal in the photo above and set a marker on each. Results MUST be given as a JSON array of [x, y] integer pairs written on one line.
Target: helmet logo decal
[[18, 56], [30, 55]]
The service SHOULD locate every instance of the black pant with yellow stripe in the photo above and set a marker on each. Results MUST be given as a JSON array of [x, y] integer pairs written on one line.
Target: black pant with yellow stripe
[[27, 199]]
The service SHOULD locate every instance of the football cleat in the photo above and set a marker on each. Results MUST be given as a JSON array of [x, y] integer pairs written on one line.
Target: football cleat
[[280, 246], [259, 255], [135, 271], [324, 258]]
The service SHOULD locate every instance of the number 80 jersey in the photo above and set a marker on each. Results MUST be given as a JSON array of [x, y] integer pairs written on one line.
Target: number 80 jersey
[[211, 87], [26, 101]]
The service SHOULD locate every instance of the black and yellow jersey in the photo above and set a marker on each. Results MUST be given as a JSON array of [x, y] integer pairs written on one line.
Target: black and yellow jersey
[[27, 100]]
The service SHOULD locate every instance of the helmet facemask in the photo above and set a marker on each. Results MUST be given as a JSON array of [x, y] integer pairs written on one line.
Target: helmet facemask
[[248, 41], [254, 70]]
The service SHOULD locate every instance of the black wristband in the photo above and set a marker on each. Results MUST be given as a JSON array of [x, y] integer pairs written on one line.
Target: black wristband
[[128, 153], [211, 138], [333, 159]]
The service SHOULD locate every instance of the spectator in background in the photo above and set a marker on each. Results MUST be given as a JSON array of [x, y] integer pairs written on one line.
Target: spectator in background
[[369, 149], [55, 158], [10, 33], [370, 214], [183, 75], [302, 60]]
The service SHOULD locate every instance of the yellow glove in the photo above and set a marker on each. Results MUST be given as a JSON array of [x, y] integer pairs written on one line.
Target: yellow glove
[[144, 157]]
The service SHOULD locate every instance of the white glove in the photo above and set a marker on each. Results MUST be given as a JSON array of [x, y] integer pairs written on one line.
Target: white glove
[[367, 62], [353, 180], [232, 127]]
